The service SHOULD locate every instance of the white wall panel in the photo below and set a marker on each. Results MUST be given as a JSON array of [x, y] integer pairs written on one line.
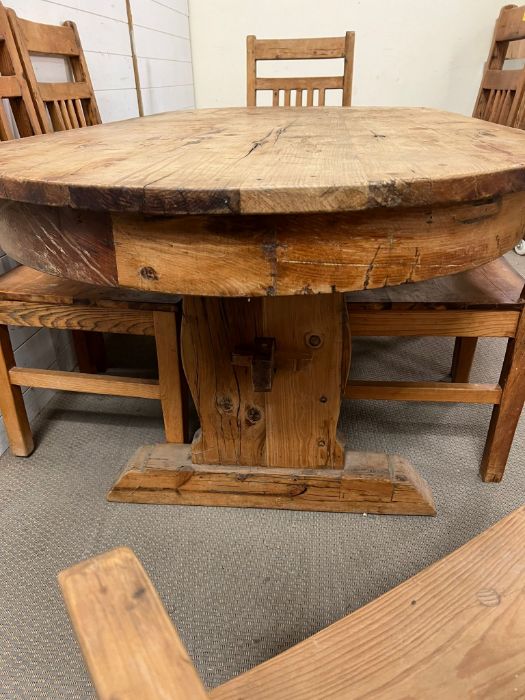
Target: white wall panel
[[407, 52]]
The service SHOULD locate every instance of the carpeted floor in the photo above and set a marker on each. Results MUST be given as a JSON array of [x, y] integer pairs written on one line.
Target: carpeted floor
[[241, 585]]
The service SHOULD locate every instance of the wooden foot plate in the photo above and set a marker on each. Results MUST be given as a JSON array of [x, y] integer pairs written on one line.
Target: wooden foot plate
[[368, 483]]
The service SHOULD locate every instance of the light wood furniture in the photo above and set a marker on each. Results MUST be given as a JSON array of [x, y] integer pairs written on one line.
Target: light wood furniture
[[35, 299], [455, 630], [64, 105], [305, 90], [13, 89], [501, 93], [489, 302], [172, 203]]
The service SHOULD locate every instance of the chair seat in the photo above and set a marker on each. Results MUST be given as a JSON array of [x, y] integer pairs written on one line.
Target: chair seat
[[28, 285], [494, 285]]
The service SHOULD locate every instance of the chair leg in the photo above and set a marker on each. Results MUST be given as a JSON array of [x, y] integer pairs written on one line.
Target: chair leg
[[90, 351], [463, 358], [506, 414], [166, 338], [12, 403]]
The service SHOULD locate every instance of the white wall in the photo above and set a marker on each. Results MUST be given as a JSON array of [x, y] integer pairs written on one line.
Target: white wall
[[164, 56], [162, 43], [408, 52]]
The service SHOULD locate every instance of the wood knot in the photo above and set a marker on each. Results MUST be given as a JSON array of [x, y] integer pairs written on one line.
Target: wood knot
[[488, 597], [253, 414], [148, 273], [224, 403]]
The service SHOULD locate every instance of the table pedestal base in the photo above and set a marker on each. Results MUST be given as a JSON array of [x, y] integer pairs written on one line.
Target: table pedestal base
[[368, 483]]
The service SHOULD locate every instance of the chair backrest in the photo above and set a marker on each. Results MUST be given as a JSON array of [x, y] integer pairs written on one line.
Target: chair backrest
[[501, 94], [13, 89], [64, 105], [297, 49]]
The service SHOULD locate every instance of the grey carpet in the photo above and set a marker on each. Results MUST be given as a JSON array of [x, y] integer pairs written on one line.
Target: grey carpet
[[241, 585]]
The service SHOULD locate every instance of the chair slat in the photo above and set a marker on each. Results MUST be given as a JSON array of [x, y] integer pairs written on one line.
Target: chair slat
[[80, 113], [72, 114], [278, 49], [48, 39]]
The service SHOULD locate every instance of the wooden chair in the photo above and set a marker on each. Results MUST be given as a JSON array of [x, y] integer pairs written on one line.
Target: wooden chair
[[423, 639], [31, 298], [59, 106], [488, 302], [291, 49], [500, 96]]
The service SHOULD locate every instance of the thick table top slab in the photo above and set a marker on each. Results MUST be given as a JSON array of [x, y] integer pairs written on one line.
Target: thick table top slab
[[267, 160]]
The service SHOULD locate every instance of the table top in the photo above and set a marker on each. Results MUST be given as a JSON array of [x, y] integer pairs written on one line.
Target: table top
[[267, 160]]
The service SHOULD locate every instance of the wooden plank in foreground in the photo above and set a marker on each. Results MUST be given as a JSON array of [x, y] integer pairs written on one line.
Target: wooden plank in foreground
[[128, 641], [455, 630]]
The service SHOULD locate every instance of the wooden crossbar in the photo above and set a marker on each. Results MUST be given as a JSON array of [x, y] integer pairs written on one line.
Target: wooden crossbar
[[85, 383], [424, 391]]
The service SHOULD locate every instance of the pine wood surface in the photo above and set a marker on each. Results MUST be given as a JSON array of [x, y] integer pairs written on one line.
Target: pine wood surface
[[26, 284], [88, 383], [294, 423], [141, 656], [305, 90], [455, 630], [493, 285], [367, 483], [268, 160]]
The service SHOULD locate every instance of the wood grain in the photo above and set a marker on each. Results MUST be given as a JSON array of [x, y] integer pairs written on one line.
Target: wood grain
[[12, 407], [26, 284], [88, 383], [42, 315], [316, 49], [141, 656], [59, 241], [423, 391], [455, 630], [368, 483], [294, 424], [170, 388], [454, 322], [271, 160], [284, 255], [506, 415]]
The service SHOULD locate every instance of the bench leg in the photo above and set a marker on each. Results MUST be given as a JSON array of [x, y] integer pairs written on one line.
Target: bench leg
[[168, 358], [462, 359], [12, 403], [506, 415]]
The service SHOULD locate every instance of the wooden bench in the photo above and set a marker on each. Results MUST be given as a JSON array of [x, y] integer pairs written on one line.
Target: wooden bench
[[455, 630]]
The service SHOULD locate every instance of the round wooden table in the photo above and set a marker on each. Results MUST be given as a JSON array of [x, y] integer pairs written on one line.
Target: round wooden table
[[262, 219]]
